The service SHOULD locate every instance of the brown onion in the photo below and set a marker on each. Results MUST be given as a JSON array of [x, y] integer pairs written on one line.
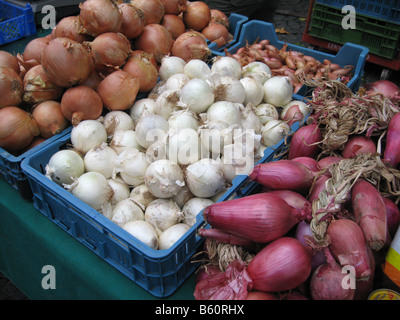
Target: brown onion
[[49, 118], [155, 39], [70, 27], [191, 45], [7, 60], [35, 142], [174, 24], [197, 15], [216, 32], [93, 80], [38, 87], [110, 49], [100, 16], [175, 7], [217, 16], [81, 103], [118, 90], [144, 54], [11, 88], [32, 54], [153, 10], [133, 20], [17, 129], [141, 68], [67, 62]]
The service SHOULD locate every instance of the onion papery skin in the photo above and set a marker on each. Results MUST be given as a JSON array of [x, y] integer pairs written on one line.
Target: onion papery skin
[[175, 7], [348, 247], [370, 213], [110, 49], [70, 27], [154, 39], [174, 24], [392, 148], [304, 142], [283, 175], [141, 68], [153, 10], [356, 145], [385, 87], [32, 54], [197, 15], [191, 45], [81, 103], [217, 16], [267, 217], [17, 129], [318, 186], [100, 16], [38, 87], [118, 90], [133, 20], [281, 265], [7, 60], [11, 88], [67, 62], [216, 32], [49, 118]]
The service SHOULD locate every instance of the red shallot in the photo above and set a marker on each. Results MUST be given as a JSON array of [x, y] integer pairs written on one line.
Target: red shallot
[[304, 142], [356, 145], [385, 87], [392, 149], [392, 216]]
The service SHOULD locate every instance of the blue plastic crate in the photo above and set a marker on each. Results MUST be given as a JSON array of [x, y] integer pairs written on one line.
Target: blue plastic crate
[[381, 9], [10, 166], [349, 54], [160, 272], [235, 25], [15, 22]]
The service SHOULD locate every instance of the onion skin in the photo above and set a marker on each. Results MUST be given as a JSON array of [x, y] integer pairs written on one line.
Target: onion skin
[[141, 68], [118, 90], [281, 265], [155, 39], [49, 118], [304, 142], [348, 246], [67, 62], [392, 149], [32, 54], [216, 32], [217, 16], [11, 88], [295, 200], [191, 45], [197, 15], [370, 213], [326, 162], [17, 129], [226, 237], [385, 87], [317, 188], [38, 87], [283, 175], [153, 10], [133, 20], [174, 24], [81, 103], [357, 145], [7, 60], [267, 217], [310, 163], [175, 7], [70, 27], [392, 216]]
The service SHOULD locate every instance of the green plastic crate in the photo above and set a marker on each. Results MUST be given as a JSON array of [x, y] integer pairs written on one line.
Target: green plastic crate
[[382, 37]]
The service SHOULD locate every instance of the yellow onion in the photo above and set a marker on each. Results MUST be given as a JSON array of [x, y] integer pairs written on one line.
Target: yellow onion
[[153, 10], [140, 67], [11, 88], [191, 45], [133, 20], [49, 118], [70, 27]]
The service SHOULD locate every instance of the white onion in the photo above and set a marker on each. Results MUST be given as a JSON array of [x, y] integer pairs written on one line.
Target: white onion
[[65, 166], [120, 190], [273, 132], [250, 120], [88, 134], [124, 139], [236, 161], [215, 134], [93, 189], [227, 88], [278, 91], [140, 107], [162, 214], [131, 165], [197, 95], [204, 178], [258, 70], [227, 66], [303, 108], [117, 120], [170, 236], [127, 210], [169, 66], [164, 178], [150, 128], [225, 111], [249, 141], [100, 159], [183, 196], [260, 153], [142, 194], [183, 119], [183, 146], [143, 231], [166, 103], [193, 207], [176, 82], [197, 68], [266, 112], [156, 151], [254, 92]]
